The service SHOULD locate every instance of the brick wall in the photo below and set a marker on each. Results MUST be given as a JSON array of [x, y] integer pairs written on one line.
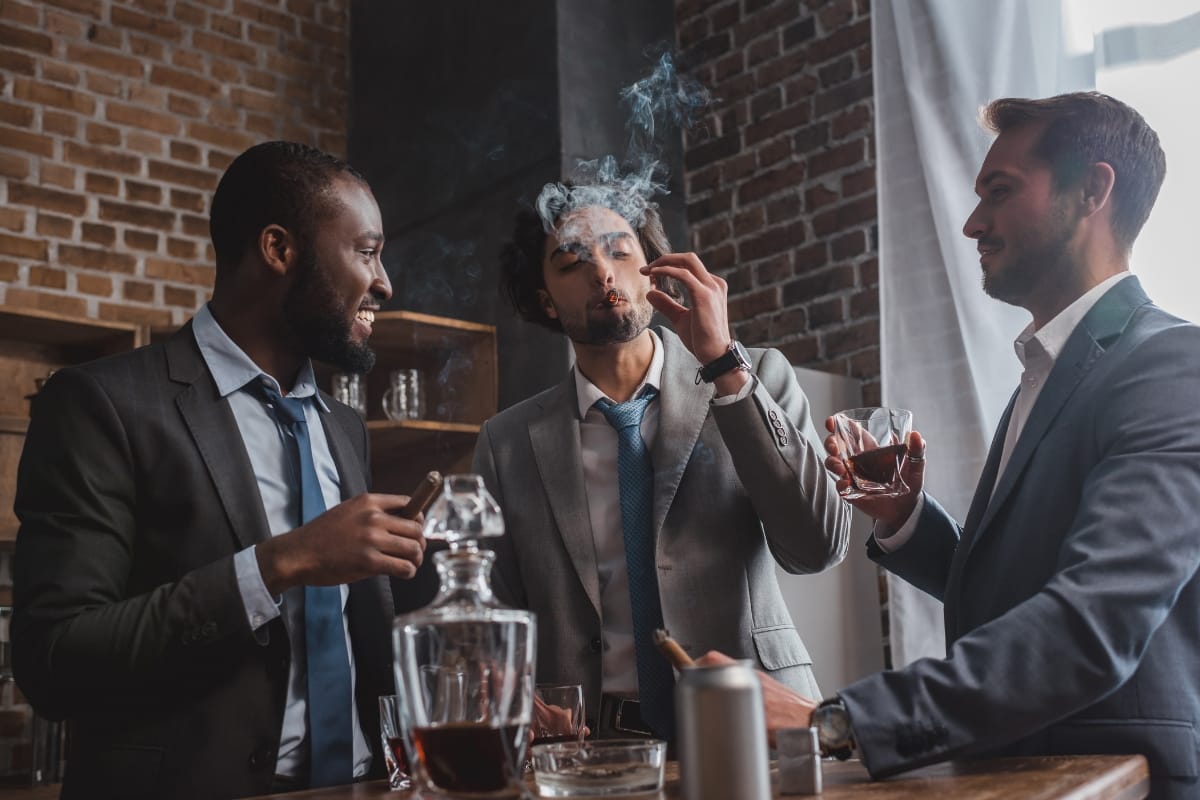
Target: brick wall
[[116, 120], [780, 176]]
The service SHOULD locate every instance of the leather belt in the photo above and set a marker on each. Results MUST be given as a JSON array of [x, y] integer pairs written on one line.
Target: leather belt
[[620, 717]]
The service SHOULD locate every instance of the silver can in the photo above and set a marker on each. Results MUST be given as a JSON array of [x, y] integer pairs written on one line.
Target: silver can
[[722, 733]]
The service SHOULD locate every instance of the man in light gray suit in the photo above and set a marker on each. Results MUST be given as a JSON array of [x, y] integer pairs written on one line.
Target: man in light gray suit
[[1071, 595], [733, 471]]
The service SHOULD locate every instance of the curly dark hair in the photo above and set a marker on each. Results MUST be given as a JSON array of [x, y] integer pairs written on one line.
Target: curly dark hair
[[1083, 128], [273, 183], [521, 259]]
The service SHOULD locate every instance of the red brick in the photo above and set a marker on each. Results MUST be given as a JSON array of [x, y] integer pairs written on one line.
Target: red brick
[[12, 219], [801, 352], [188, 201], [771, 182], [99, 234], [181, 248], [187, 106], [141, 240], [17, 63], [177, 272], [18, 115], [104, 84], [221, 46], [35, 143], [22, 247], [136, 215], [139, 315], [97, 183], [55, 226], [748, 306], [46, 301], [122, 114], [150, 144], [91, 8], [844, 155], [23, 39], [46, 94], [57, 175], [184, 298], [11, 164], [821, 283], [188, 82], [190, 15], [865, 303], [138, 291], [221, 137], [99, 285], [848, 246], [49, 199], [105, 60], [99, 133], [9, 271], [858, 182], [194, 226], [219, 160], [60, 123], [101, 158], [267, 37], [772, 241], [840, 41], [160, 26], [774, 270], [97, 259], [856, 212], [224, 72], [47, 278], [23, 13], [175, 174], [138, 192]]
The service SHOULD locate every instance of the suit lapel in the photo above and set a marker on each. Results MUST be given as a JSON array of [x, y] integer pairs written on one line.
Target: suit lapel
[[683, 410], [1102, 324], [554, 437], [215, 432], [350, 473]]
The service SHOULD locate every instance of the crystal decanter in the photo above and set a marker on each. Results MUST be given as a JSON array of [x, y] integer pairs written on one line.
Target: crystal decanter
[[465, 663]]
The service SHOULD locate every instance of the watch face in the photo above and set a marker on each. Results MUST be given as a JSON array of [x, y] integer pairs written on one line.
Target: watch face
[[741, 354], [833, 725]]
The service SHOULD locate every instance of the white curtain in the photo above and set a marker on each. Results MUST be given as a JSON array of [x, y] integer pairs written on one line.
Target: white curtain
[[946, 348]]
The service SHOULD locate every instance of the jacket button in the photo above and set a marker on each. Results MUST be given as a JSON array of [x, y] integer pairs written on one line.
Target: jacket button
[[595, 644]]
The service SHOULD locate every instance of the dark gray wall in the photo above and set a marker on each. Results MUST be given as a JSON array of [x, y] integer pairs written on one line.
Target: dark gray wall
[[461, 111]]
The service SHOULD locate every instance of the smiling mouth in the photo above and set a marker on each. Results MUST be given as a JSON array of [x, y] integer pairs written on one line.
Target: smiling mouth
[[366, 318]]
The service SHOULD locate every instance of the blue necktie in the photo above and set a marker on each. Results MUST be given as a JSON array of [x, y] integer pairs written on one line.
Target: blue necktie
[[330, 724], [656, 681]]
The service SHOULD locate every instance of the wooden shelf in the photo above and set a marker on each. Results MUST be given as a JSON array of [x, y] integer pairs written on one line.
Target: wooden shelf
[[32, 344]]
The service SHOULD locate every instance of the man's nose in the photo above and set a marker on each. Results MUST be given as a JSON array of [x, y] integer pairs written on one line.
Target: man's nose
[[381, 286], [603, 270], [974, 227]]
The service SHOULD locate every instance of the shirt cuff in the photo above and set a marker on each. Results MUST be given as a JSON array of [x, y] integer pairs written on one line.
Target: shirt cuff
[[890, 542], [260, 607], [745, 392]]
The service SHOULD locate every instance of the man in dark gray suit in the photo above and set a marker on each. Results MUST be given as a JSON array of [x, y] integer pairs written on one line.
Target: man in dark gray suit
[[180, 598], [1071, 594], [731, 476]]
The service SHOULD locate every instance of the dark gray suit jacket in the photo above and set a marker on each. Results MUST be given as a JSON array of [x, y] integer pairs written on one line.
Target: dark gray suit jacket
[[1071, 597], [736, 488], [134, 493]]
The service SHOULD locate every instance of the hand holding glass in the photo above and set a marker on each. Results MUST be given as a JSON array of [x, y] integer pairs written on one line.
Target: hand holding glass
[[558, 713], [871, 443]]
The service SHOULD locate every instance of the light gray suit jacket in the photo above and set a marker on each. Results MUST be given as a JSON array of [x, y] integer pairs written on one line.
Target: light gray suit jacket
[[734, 485], [1071, 596]]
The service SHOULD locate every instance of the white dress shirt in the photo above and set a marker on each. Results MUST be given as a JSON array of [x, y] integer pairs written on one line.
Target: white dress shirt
[[1037, 350], [265, 442]]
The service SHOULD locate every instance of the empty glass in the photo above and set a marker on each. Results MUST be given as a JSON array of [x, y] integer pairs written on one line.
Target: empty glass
[[348, 388], [405, 395]]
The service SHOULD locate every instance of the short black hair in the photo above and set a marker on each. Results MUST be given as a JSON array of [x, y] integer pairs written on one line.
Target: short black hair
[[521, 258], [273, 183], [1083, 128]]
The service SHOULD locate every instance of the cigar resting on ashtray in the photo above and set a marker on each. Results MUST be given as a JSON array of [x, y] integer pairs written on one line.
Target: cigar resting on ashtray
[[671, 649]]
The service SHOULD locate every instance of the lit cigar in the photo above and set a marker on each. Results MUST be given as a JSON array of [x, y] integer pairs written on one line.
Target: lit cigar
[[612, 297], [671, 649]]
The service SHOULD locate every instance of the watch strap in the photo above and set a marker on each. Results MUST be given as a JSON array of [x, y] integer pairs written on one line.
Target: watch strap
[[733, 358]]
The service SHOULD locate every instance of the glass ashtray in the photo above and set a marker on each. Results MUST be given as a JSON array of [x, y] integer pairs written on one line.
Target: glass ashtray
[[599, 768]]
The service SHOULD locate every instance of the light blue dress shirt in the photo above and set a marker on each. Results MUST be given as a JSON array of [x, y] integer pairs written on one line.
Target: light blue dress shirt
[[264, 439]]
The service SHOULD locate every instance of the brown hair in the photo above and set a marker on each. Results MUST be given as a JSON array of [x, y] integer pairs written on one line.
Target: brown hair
[[1083, 128]]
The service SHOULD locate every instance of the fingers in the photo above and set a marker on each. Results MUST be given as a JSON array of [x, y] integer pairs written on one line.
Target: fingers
[[713, 658]]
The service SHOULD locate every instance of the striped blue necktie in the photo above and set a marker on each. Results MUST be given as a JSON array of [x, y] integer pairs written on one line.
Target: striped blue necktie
[[330, 721], [656, 681]]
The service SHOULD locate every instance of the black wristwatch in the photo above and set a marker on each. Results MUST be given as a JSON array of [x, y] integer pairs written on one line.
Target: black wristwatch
[[832, 721], [735, 357]]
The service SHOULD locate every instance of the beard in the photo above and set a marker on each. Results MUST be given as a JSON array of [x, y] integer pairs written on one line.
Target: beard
[[609, 328], [321, 322], [1035, 264]]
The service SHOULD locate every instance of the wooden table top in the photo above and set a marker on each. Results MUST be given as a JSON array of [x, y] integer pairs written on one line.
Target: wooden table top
[[1042, 778]]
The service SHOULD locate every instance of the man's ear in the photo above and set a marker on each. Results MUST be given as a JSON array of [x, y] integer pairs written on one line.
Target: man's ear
[[1097, 187], [547, 304], [276, 249]]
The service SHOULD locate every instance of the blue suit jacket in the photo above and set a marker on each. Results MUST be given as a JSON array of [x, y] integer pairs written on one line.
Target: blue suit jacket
[[1071, 597]]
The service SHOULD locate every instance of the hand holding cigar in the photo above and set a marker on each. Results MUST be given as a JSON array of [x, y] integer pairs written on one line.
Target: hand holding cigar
[[671, 649], [423, 496]]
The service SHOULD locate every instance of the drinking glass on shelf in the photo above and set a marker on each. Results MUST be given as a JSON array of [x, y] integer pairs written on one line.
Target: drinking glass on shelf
[[872, 444], [405, 395], [392, 732], [348, 388]]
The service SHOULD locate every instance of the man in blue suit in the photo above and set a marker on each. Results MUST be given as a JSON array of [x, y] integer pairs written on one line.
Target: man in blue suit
[[1071, 594]]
